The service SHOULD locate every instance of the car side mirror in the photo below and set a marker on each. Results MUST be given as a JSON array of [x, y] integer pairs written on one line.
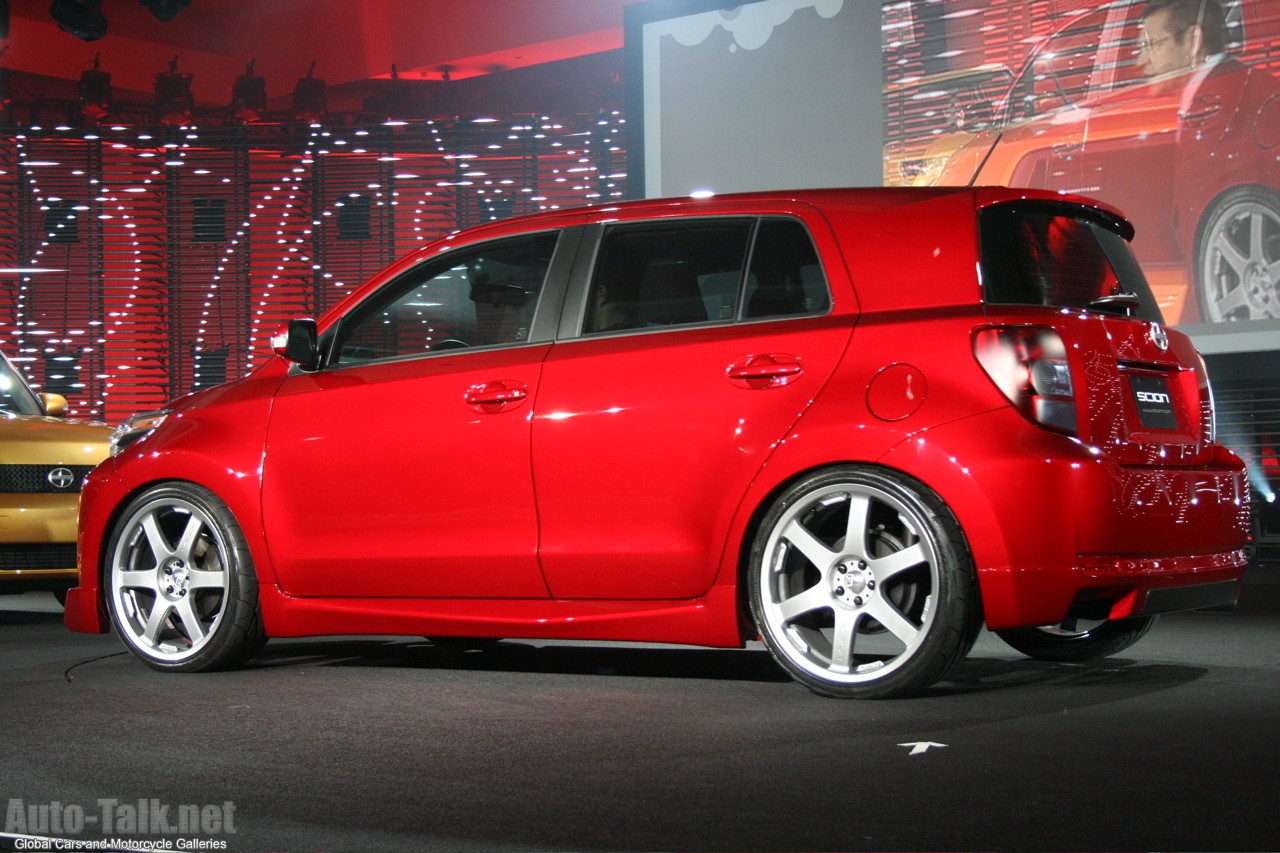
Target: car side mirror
[[297, 341], [55, 405]]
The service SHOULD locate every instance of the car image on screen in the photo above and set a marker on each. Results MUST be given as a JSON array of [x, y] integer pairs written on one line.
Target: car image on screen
[[1188, 154], [857, 425]]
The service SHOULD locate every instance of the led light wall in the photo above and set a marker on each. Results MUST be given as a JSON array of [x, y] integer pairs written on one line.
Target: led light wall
[[139, 264]]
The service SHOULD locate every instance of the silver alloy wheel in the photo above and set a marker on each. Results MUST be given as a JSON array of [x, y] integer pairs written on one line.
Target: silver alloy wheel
[[170, 575], [1239, 258], [847, 583]]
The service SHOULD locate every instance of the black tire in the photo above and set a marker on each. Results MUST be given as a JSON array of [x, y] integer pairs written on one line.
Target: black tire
[[1237, 245], [465, 644], [179, 582], [1074, 642], [884, 616]]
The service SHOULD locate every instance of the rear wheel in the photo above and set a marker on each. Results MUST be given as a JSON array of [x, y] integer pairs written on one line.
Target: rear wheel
[[181, 589], [1076, 640], [861, 584]]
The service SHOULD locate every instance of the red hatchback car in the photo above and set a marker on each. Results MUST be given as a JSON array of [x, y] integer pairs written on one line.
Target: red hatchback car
[[853, 423]]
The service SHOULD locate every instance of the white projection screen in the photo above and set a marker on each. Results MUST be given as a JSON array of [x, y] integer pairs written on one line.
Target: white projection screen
[[767, 95]]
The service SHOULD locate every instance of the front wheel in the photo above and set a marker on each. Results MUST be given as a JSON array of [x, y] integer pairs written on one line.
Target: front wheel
[[1078, 640], [1238, 257], [181, 589], [861, 584]]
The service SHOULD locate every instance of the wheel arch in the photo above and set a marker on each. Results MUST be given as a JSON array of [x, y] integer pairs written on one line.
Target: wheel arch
[[763, 503], [977, 476], [118, 495]]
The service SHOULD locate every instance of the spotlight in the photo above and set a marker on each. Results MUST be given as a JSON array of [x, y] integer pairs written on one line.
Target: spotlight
[[95, 92], [393, 99], [174, 100], [165, 10], [82, 18], [249, 95], [310, 97]]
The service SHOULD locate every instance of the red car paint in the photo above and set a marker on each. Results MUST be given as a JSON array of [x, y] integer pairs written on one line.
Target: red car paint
[[610, 486]]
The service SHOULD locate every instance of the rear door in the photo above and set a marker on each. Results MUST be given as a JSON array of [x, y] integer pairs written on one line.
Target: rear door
[[683, 374]]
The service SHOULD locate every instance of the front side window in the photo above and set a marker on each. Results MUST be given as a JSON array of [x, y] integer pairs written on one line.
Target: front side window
[[675, 273], [15, 396], [480, 297]]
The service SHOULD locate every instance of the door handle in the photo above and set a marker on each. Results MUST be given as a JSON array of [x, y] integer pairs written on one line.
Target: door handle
[[767, 370], [496, 396], [1201, 111]]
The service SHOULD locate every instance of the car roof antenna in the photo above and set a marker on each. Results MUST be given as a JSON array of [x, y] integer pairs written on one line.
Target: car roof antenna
[[985, 158]]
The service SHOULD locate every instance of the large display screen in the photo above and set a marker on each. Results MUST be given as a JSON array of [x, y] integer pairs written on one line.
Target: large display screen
[[1168, 110]]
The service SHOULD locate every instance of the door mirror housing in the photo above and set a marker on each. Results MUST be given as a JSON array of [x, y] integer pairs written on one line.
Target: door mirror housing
[[297, 341], [55, 405]]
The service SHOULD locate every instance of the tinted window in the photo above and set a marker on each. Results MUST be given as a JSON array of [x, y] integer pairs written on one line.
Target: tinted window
[[1059, 74], [478, 297], [1057, 257], [681, 272], [786, 277], [15, 397]]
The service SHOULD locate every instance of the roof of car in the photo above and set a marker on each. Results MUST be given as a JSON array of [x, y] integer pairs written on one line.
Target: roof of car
[[868, 200]]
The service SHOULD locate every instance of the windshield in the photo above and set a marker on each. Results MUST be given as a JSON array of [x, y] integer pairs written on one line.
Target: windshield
[[15, 397], [1060, 256]]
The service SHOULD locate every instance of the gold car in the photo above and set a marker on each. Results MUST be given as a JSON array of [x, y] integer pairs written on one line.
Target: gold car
[[43, 461]]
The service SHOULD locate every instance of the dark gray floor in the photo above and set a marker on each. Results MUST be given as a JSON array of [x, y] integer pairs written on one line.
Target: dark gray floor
[[392, 744]]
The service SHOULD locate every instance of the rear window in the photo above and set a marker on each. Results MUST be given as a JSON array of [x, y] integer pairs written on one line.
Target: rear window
[[1059, 256]]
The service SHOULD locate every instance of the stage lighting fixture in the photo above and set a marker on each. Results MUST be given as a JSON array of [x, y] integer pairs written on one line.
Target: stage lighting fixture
[[310, 96], [82, 18], [394, 99], [249, 95], [165, 10], [174, 101], [95, 92]]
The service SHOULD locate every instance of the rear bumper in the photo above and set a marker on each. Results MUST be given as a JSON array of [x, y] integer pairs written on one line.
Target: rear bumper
[[1220, 596], [1057, 528], [1132, 586]]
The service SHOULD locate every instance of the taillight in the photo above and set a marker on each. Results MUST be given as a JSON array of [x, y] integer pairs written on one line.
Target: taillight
[[1029, 366]]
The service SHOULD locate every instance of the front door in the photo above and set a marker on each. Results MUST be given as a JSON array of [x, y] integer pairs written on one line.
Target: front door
[[401, 468]]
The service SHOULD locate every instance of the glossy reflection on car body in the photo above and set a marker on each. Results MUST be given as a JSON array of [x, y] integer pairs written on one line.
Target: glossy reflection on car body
[[802, 416]]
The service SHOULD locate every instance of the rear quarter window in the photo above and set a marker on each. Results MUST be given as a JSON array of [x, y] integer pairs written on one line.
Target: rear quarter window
[[1059, 256]]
